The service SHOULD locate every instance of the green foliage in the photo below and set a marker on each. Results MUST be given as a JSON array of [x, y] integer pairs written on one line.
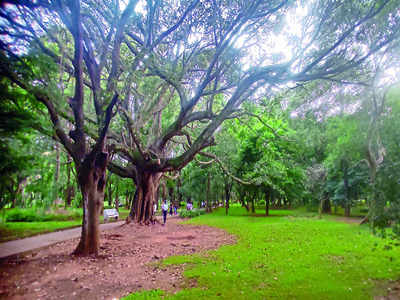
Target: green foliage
[[34, 215], [15, 122], [268, 155], [17, 230], [388, 174], [191, 213], [145, 295]]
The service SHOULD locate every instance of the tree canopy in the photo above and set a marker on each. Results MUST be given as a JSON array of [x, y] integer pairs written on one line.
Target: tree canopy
[[176, 71]]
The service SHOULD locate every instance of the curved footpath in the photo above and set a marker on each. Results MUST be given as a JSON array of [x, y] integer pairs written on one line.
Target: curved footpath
[[31, 243]]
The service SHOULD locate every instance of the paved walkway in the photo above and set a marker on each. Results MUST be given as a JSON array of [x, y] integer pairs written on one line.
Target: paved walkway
[[39, 241]]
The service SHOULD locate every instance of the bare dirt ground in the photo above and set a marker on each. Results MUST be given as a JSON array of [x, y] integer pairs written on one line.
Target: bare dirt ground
[[128, 262], [350, 220], [393, 291]]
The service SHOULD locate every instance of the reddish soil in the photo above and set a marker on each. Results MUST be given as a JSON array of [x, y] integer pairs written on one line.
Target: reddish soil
[[393, 291], [128, 262], [350, 220]]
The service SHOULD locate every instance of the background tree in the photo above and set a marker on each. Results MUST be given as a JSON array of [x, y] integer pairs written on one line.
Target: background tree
[[15, 136]]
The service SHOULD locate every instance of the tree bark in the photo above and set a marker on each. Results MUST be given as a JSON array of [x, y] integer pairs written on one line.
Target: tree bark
[[145, 197], [91, 179], [131, 215], [326, 207], [228, 189], [253, 208], [56, 175], [127, 200]]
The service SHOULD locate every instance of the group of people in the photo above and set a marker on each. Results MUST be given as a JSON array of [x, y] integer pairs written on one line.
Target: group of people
[[164, 208], [173, 209]]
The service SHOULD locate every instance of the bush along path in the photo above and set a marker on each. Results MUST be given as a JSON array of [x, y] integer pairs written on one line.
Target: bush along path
[[22, 223]]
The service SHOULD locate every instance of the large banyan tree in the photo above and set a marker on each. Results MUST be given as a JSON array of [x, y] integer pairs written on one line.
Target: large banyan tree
[[180, 69], [189, 65]]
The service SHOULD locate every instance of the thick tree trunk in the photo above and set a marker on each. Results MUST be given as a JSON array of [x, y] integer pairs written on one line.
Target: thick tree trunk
[[55, 195], [91, 178], [272, 198], [131, 215], [228, 189], [69, 194], [326, 206], [145, 197], [253, 206], [132, 199], [347, 210]]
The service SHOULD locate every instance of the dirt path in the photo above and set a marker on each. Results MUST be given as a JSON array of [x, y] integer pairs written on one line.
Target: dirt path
[[128, 262], [349, 220]]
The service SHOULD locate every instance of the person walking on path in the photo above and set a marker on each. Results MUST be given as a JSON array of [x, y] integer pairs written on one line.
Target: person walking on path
[[164, 211]]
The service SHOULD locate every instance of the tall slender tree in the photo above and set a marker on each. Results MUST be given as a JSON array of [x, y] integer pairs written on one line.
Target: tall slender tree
[[30, 29]]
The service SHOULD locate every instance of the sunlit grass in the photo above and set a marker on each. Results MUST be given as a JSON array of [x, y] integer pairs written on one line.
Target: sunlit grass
[[288, 257]]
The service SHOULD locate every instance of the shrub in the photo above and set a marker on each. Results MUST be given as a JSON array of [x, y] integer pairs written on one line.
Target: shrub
[[33, 215], [192, 213], [21, 215]]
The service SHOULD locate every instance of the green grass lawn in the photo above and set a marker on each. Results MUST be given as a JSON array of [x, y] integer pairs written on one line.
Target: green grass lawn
[[16, 230], [286, 256]]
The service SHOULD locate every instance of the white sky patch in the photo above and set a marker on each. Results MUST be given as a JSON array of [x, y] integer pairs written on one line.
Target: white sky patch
[[140, 7], [276, 46]]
